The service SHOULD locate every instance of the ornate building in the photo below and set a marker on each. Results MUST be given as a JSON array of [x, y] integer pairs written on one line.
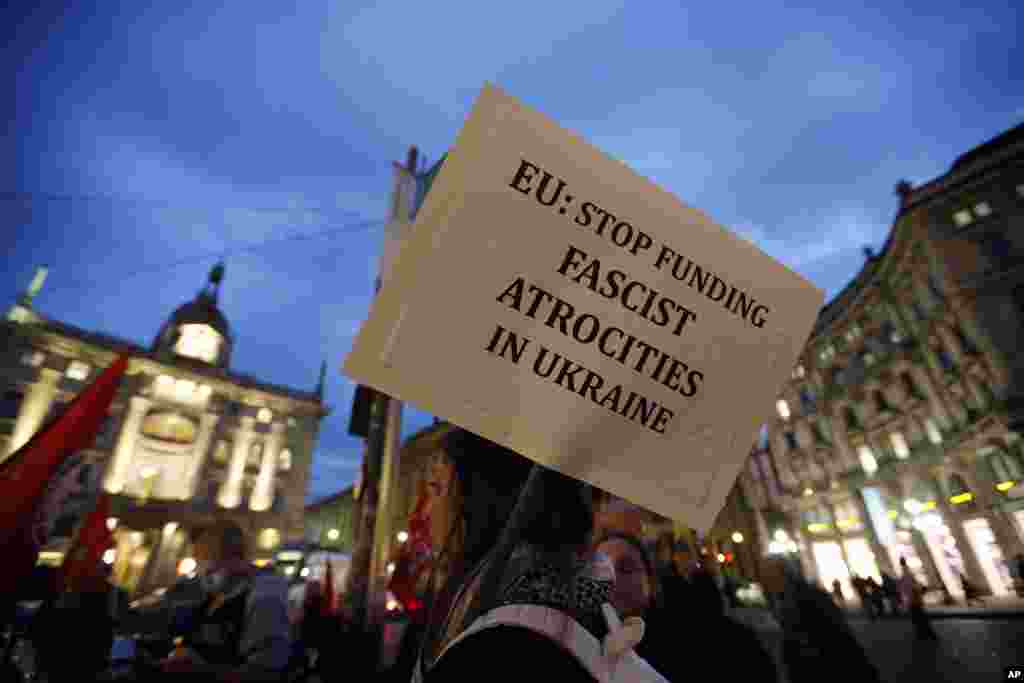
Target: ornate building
[[896, 436], [186, 440]]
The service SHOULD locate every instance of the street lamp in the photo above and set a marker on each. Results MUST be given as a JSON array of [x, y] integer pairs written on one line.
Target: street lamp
[[403, 536], [333, 535], [737, 537]]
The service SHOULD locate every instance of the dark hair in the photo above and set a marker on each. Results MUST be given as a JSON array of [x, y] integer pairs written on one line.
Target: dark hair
[[650, 567], [507, 499]]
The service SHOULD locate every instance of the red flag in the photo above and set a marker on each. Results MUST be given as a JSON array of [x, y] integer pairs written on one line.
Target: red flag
[[26, 474], [328, 604], [86, 552]]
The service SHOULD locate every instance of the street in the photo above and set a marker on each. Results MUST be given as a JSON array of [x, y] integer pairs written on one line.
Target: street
[[968, 649]]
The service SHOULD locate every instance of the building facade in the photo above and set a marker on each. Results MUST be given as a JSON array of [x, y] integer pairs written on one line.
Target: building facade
[[897, 435], [330, 521], [186, 441]]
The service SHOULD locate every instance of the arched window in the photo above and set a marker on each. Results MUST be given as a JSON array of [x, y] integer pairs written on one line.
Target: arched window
[[1005, 467], [222, 453], [201, 342]]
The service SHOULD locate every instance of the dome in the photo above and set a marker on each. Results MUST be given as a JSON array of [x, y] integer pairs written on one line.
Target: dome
[[198, 329], [202, 310]]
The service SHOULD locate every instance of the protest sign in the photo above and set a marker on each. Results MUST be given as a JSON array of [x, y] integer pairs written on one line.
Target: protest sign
[[554, 301]]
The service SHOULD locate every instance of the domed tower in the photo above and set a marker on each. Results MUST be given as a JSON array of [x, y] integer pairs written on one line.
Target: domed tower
[[198, 330]]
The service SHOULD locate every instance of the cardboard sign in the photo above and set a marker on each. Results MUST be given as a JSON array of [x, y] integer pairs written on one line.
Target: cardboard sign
[[554, 301]]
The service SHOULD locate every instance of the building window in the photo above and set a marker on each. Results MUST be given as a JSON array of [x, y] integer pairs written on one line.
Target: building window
[[899, 445], [170, 427], [827, 353], [999, 251], [963, 218], [799, 372], [945, 360], [852, 421], [881, 404], [930, 428], [269, 539], [10, 404], [791, 441], [822, 433], [910, 386], [807, 401], [200, 342], [33, 358], [264, 415], [868, 358], [783, 409], [1005, 467], [1020, 191], [982, 209], [222, 453], [867, 459], [285, 460], [78, 371]]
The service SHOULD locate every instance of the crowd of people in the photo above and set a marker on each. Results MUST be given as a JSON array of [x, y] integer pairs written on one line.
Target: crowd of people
[[519, 580]]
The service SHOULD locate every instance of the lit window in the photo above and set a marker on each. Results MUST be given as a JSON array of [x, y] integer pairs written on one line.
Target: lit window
[[285, 460], [869, 359], [269, 539], [201, 342], [783, 409], [982, 209], [867, 460], [222, 454], [963, 217], [791, 440], [78, 370], [264, 415], [899, 445], [934, 435], [33, 358], [184, 390], [165, 384]]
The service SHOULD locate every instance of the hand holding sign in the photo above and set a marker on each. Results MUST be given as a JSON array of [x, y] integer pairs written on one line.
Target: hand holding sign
[[580, 315]]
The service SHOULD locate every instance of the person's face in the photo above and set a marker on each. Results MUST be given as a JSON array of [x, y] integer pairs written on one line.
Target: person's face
[[632, 594]]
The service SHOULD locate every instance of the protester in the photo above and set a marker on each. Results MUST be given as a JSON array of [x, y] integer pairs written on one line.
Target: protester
[[873, 595], [671, 572], [532, 600], [241, 630], [891, 592], [912, 595]]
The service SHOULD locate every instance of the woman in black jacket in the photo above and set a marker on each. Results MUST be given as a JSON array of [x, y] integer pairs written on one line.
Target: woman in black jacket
[[522, 595]]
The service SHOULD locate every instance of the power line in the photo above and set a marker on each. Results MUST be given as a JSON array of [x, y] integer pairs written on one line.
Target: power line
[[12, 196], [245, 248]]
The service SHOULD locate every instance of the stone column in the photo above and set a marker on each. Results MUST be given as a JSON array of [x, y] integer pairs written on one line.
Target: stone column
[[117, 470], [263, 493], [952, 519], [207, 425], [33, 409], [231, 492]]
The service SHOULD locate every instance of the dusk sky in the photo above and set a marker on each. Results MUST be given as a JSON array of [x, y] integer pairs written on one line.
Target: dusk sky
[[147, 140]]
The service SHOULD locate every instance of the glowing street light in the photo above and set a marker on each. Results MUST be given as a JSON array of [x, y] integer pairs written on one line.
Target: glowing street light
[[737, 537], [333, 535], [403, 536]]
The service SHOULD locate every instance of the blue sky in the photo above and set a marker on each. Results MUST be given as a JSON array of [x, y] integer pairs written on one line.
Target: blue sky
[[144, 143]]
